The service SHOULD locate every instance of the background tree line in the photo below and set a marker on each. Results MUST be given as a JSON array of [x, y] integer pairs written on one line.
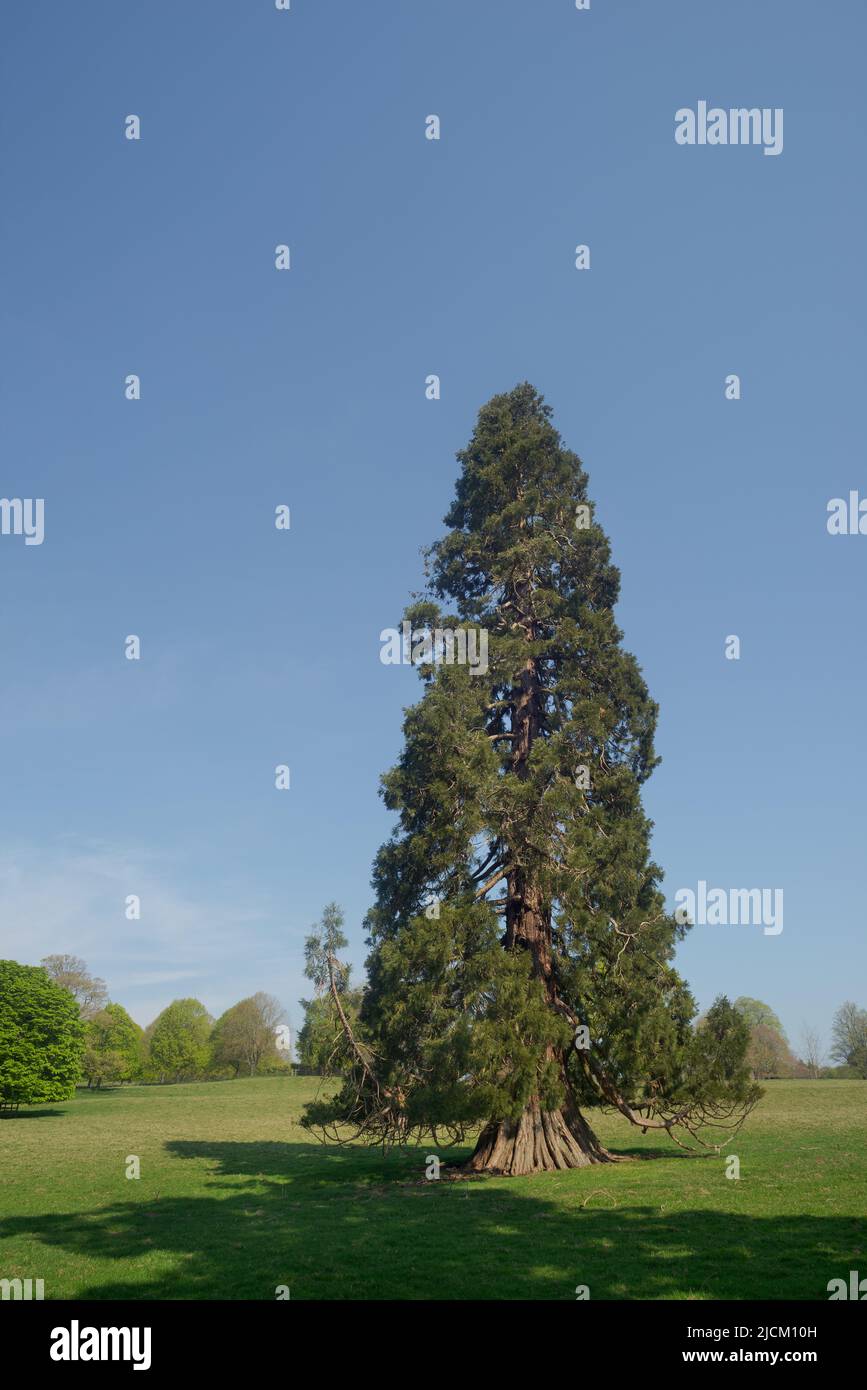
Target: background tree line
[[770, 1055], [58, 1028]]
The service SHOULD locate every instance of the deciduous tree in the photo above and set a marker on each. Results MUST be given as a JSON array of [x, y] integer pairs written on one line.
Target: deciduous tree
[[113, 1048], [41, 1037], [849, 1037], [757, 1012], [768, 1053], [244, 1037], [812, 1045], [178, 1043], [71, 973]]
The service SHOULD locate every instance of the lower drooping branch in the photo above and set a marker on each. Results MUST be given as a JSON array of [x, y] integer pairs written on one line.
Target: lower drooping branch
[[537, 1140]]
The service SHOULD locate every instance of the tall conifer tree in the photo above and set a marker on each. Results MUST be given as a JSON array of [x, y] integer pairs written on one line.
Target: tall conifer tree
[[520, 969]]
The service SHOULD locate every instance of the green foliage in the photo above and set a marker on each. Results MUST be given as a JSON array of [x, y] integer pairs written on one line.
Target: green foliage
[[717, 1056], [758, 1014], [321, 1040], [114, 1047], [244, 1036], [322, 946], [178, 1042], [849, 1038], [448, 1003], [277, 1066], [332, 1019], [41, 1037], [858, 1060], [522, 785]]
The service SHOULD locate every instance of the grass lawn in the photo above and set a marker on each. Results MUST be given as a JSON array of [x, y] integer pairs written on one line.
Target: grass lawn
[[235, 1199]]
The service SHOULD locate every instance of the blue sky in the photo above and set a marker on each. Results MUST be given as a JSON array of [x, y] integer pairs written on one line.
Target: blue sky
[[306, 387]]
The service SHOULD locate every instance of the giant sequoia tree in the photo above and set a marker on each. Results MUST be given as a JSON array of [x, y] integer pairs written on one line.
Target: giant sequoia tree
[[520, 969]]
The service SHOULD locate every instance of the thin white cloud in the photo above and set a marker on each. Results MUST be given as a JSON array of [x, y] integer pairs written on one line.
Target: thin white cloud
[[71, 897]]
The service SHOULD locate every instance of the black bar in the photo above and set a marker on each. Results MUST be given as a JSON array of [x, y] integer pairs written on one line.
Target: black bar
[[265, 1338]]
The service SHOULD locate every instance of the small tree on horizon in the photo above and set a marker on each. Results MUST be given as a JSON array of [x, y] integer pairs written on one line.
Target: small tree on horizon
[[811, 1043], [245, 1036], [113, 1050], [520, 965], [178, 1041], [849, 1037], [331, 1016]]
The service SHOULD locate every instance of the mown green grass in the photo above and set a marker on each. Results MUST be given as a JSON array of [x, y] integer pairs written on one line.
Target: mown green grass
[[235, 1199]]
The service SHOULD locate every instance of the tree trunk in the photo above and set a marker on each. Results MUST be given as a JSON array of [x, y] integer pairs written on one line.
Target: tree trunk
[[539, 1141]]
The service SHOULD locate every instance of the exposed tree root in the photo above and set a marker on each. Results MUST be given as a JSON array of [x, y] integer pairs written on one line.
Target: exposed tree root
[[539, 1141]]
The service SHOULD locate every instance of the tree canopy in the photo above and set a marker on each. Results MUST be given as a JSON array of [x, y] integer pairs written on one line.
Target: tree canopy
[[244, 1037], [41, 1037], [113, 1050], [331, 1014], [320, 1038], [179, 1040], [759, 1014]]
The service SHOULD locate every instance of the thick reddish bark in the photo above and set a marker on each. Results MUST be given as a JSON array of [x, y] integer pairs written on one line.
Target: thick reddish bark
[[539, 1141]]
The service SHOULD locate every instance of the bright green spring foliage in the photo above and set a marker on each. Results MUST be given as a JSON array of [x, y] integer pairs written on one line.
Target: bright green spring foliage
[[41, 1037], [179, 1041], [114, 1047]]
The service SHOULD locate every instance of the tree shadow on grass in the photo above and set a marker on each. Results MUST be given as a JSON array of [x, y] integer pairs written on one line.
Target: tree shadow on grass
[[100, 1092], [347, 1224], [636, 1151], [29, 1114]]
